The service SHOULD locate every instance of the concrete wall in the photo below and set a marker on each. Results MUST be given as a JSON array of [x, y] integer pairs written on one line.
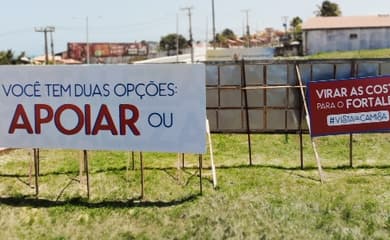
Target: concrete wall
[[315, 41]]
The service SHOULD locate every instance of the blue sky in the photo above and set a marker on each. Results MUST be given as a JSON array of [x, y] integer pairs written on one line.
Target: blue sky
[[127, 21]]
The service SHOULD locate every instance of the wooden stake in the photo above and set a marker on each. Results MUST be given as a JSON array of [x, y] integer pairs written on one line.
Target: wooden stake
[[127, 165], [200, 175], [36, 160], [31, 159], [351, 150], [38, 164], [142, 175], [86, 171], [213, 171], [81, 171], [133, 160], [308, 124]]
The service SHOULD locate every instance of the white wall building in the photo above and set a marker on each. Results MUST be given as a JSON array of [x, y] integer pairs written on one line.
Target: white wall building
[[328, 34]]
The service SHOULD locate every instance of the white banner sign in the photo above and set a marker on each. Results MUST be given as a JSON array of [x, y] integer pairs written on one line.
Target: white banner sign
[[113, 107]]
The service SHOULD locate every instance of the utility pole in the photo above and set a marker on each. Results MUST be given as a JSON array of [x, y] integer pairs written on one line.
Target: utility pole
[[213, 14], [52, 48], [45, 30], [188, 9], [87, 43], [87, 38], [246, 11], [177, 38]]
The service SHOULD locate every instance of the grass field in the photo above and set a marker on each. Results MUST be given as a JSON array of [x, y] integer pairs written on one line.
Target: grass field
[[274, 199], [369, 53]]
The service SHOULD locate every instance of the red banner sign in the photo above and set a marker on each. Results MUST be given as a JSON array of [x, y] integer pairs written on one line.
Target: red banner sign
[[349, 106]]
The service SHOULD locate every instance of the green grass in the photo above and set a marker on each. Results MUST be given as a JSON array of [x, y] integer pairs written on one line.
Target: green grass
[[273, 199], [376, 53]]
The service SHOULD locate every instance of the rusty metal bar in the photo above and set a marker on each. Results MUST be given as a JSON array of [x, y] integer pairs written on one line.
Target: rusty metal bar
[[248, 130], [301, 131], [301, 148]]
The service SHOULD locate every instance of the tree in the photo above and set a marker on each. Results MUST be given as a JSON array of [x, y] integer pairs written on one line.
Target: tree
[[328, 9], [226, 34], [296, 26], [8, 58], [295, 22], [168, 42]]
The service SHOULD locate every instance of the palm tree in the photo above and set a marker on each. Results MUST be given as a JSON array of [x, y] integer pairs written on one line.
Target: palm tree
[[296, 27]]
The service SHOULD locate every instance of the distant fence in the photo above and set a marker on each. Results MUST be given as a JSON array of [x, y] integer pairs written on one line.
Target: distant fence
[[263, 96]]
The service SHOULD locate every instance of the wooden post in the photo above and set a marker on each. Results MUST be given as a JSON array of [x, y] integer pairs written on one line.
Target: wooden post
[[351, 150], [354, 72], [133, 160], [31, 159], [36, 161], [182, 161], [81, 171], [127, 165], [213, 171], [38, 164], [200, 175], [86, 171], [142, 174]]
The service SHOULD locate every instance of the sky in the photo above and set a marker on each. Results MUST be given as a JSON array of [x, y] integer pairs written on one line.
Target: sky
[[129, 21]]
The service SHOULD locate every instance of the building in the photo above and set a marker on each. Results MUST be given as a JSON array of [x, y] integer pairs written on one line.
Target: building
[[328, 34]]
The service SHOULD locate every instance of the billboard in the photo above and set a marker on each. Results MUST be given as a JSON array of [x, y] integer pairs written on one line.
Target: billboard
[[349, 106], [114, 107], [78, 51]]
